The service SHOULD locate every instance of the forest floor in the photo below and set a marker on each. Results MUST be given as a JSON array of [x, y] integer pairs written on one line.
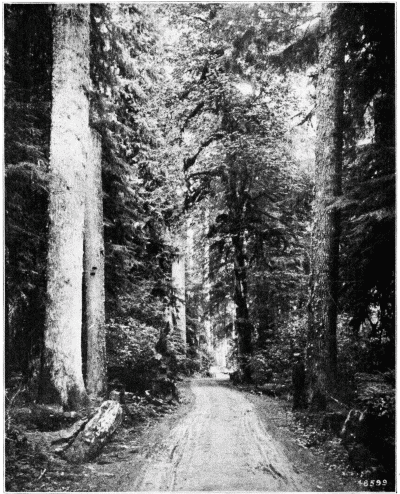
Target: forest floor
[[219, 439]]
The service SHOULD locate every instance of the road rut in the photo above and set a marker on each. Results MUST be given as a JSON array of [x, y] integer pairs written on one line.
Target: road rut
[[220, 445]]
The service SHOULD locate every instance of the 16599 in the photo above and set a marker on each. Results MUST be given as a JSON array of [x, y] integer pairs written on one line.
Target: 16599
[[373, 482]]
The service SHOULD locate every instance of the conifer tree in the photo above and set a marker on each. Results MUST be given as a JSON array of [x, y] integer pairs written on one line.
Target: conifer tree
[[62, 379], [94, 300], [322, 344]]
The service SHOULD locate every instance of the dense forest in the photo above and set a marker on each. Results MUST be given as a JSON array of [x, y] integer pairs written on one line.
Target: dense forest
[[201, 185]]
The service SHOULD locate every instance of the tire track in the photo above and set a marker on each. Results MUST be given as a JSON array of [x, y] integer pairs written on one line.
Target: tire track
[[220, 445]]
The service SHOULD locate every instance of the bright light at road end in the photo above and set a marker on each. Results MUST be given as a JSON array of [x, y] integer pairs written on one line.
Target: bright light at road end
[[316, 7], [245, 88]]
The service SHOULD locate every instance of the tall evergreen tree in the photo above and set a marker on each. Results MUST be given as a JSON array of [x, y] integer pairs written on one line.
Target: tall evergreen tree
[[368, 204], [62, 379], [94, 300], [323, 306], [178, 286], [28, 61]]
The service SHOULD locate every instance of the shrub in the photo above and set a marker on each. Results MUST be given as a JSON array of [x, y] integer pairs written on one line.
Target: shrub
[[273, 361], [131, 355]]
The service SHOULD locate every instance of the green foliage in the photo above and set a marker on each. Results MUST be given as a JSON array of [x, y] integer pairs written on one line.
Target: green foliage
[[136, 357], [194, 118], [368, 203], [124, 74], [131, 341], [368, 241], [126, 78], [273, 359], [131, 348], [232, 111], [361, 352], [199, 360], [376, 426], [27, 127], [381, 404]]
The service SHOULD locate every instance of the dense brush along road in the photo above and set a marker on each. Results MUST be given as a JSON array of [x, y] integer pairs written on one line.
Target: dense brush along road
[[227, 441]]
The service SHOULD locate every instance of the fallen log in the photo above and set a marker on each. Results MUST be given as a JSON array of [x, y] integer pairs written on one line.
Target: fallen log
[[97, 432], [273, 389], [68, 435]]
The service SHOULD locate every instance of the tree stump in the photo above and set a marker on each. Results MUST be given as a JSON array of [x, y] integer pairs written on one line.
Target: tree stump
[[97, 432]]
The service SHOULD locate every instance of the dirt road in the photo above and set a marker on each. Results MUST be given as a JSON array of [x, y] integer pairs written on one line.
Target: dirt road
[[220, 445], [217, 439]]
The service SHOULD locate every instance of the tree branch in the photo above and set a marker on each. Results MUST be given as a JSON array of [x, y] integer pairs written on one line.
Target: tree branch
[[306, 118], [211, 173], [189, 162], [295, 53], [203, 76], [192, 114], [200, 19]]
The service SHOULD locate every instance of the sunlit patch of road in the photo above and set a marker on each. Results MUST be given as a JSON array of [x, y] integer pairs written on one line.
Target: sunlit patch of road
[[220, 445]]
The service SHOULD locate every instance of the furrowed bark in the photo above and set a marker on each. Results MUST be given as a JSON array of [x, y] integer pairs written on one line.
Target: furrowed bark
[[62, 380], [178, 281], [242, 322], [94, 272], [322, 345]]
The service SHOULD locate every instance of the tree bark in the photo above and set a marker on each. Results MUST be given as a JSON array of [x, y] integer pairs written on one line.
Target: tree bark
[[242, 322], [237, 183], [62, 380], [322, 344], [206, 275], [94, 272], [8, 335], [178, 277]]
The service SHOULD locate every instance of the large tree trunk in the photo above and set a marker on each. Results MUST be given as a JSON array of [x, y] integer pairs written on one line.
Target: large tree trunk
[[178, 277], [208, 333], [322, 345], [242, 323], [8, 336], [94, 272], [237, 183], [62, 373], [206, 275]]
